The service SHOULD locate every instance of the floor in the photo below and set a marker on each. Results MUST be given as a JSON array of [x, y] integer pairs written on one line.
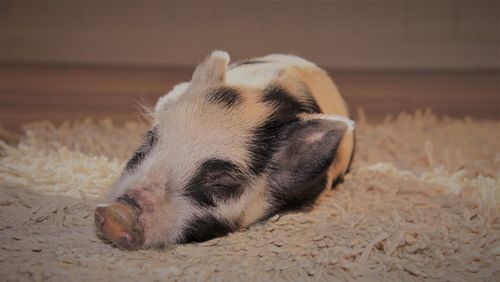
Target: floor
[[56, 93]]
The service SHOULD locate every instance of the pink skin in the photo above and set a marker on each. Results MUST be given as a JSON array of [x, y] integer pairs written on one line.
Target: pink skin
[[147, 202], [118, 224], [161, 219], [144, 198]]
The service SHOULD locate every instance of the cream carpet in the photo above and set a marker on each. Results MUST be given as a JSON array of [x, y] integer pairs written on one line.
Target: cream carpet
[[422, 202]]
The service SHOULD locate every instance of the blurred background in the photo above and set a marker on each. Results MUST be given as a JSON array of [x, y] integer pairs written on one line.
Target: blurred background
[[66, 60]]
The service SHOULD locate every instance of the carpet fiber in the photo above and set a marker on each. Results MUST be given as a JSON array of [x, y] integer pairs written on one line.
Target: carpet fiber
[[422, 201]]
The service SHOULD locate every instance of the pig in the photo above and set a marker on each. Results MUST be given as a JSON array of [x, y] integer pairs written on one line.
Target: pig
[[234, 146]]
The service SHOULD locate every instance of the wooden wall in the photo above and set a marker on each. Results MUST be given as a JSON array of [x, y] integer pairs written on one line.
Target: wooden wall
[[338, 34]]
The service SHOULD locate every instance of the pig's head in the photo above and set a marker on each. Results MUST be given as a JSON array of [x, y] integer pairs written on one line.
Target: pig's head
[[219, 158]]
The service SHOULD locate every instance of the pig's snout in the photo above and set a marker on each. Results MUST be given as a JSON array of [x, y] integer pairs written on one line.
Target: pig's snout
[[118, 223]]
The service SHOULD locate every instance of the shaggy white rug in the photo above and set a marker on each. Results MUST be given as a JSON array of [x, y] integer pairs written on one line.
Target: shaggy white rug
[[422, 202]]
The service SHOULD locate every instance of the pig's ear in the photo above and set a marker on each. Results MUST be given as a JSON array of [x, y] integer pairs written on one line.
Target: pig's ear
[[308, 148], [212, 70]]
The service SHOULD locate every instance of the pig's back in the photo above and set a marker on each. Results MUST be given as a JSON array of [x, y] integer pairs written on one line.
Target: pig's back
[[291, 72]]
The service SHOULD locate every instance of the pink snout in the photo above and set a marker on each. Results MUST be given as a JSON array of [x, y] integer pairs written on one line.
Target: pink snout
[[118, 224]]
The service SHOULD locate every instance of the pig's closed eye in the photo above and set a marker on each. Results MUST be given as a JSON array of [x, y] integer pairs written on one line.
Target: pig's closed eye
[[215, 181], [223, 190]]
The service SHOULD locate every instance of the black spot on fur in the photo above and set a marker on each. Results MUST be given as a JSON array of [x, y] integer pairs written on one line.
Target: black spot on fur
[[247, 62], [204, 228], [150, 139], [286, 109], [310, 104], [263, 145], [215, 180], [286, 104], [225, 96]]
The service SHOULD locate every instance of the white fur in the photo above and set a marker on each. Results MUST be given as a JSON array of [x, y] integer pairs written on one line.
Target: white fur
[[351, 125], [120, 187], [171, 96], [260, 75], [221, 54], [254, 76]]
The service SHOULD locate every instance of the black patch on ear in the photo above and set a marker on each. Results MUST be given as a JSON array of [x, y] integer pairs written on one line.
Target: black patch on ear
[[215, 180], [286, 109], [302, 196], [287, 104], [150, 140], [298, 172], [225, 96], [204, 228]]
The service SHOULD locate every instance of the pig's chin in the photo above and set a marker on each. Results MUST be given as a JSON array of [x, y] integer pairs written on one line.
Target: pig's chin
[[156, 236]]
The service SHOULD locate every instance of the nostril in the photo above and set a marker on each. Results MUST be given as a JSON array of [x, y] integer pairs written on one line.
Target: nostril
[[126, 239], [100, 220]]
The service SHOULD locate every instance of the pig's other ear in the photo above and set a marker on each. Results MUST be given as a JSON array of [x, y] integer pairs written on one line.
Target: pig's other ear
[[212, 70], [308, 148]]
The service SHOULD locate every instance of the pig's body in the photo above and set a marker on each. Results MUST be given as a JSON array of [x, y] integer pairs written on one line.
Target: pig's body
[[235, 145]]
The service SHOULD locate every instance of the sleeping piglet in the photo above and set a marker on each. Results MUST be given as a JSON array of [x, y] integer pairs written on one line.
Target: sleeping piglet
[[234, 146]]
